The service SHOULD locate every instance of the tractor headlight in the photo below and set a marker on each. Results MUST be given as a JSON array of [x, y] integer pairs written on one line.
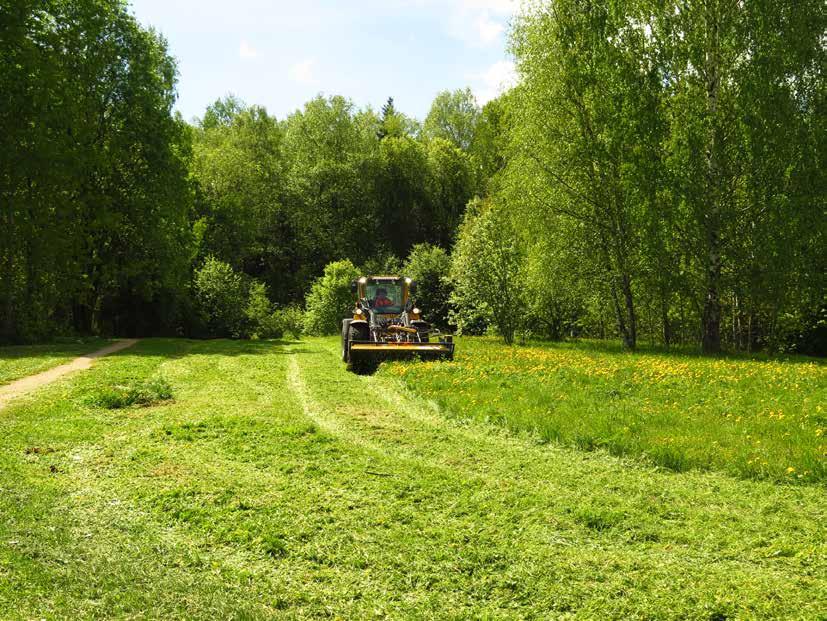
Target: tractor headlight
[[358, 311], [415, 311]]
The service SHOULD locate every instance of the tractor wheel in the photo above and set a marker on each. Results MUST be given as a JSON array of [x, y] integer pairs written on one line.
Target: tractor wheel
[[362, 365], [345, 338], [359, 332]]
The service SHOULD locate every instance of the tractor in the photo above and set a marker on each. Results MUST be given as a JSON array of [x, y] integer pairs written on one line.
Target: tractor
[[386, 324]]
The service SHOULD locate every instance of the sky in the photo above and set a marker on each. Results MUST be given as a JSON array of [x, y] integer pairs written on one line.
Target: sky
[[280, 54]]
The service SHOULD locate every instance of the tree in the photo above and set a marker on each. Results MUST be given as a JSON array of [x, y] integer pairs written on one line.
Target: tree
[[333, 161], [222, 112], [585, 120], [222, 299], [329, 299], [430, 267], [491, 134], [394, 124], [485, 269], [453, 117], [450, 185], [97, 196], [401, 186]]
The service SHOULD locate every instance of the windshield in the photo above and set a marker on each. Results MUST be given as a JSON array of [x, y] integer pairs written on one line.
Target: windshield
[[385, 296]]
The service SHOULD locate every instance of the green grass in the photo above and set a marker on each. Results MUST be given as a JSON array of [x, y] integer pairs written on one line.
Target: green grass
[[751, 418], [277, 485], [21, 360]]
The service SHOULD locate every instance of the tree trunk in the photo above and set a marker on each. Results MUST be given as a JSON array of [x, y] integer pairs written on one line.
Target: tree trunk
[[711, 322], [630, 338], [711, 339]]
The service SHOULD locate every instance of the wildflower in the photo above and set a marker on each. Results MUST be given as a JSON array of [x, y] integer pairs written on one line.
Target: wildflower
[[790, 470]]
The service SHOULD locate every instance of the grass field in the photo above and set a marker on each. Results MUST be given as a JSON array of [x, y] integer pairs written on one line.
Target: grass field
[[273, 484], [20, 361], [752, 418]]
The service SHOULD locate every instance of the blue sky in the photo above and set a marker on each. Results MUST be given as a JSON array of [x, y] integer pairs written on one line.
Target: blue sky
[[279, 54]]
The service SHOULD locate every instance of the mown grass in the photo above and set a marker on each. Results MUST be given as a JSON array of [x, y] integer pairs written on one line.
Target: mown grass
[[754, 418], [18, 361], [277, 485]]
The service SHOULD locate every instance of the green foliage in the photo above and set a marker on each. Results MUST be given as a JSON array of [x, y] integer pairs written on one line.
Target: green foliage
[[95, 172], [661, 151], [329, 299], [221, 297], [554, 293], [451, 184], [222, 112], [453, 117], [491, 136], [661, 165], [381, 263], [259, 312], [394, 124], [289, 321], [486, 268], [430, 267]]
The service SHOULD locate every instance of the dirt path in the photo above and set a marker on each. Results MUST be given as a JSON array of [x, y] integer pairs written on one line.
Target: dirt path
[[27, 384]]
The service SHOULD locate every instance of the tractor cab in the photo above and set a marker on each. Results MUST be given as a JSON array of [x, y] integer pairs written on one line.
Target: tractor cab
[[387, 295]]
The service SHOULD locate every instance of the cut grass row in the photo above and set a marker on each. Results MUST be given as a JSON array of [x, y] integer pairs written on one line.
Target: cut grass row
[[276, 485], [23, 360], [752, 418]]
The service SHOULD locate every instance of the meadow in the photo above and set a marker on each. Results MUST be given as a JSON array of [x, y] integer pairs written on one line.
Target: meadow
[[751, 417], [260, 480]]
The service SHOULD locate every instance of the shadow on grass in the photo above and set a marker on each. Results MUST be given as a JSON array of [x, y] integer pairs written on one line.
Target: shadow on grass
[[675, 351], [62, 347], [174, 348]]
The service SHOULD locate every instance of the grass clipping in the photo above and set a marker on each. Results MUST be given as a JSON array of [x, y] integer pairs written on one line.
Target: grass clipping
[[135, 394]]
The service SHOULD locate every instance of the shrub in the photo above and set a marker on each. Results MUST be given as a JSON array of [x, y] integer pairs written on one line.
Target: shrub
[[259, 313], [289, 320], [382, 263], [221, 299], [430, 267], [329, 298]]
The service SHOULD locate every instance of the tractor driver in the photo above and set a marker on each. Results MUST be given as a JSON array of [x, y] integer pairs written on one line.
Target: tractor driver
[[381, 299]]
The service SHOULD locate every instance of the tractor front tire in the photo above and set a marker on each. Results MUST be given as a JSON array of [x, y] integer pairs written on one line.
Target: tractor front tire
[[346, 339], [364, 365]]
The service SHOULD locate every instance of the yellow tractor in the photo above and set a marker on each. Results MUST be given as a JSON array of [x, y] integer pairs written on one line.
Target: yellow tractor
[[386, 324]]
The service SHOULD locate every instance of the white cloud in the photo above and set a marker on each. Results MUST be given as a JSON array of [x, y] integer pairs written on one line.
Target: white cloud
[[495, 80], [245, 50], [488, 30], [302, 71], [501, 7], [480, 23]]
